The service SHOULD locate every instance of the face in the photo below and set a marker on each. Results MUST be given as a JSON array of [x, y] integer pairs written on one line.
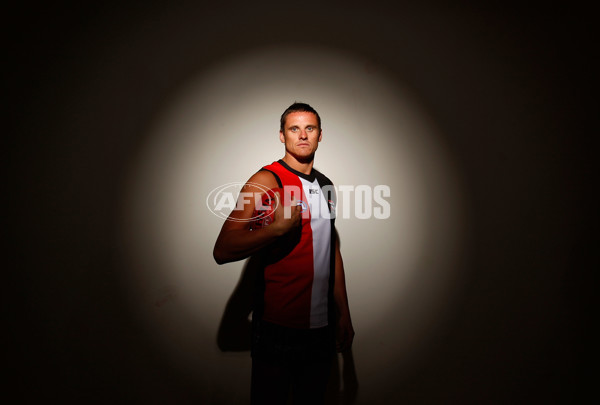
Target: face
[[301, 135]]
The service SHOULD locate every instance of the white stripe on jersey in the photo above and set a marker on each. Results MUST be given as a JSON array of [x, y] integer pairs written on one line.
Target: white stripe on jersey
[[320, 224]]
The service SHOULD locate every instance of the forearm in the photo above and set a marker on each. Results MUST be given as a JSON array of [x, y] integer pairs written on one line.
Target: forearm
[[339, 292], [236, 241], [238, 244], [341, 298], [344, 331]]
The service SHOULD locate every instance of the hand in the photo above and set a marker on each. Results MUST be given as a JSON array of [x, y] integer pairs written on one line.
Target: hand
[[286, 218], [344, 335]]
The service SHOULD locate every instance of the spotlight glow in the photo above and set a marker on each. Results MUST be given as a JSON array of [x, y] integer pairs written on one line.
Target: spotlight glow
[[221, 128]]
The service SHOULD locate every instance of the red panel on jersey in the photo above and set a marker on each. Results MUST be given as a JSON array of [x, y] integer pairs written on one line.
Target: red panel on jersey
[[289, 280]]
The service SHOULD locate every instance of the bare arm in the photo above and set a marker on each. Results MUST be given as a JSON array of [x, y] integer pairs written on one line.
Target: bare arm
[[345, 331], [236, 241]]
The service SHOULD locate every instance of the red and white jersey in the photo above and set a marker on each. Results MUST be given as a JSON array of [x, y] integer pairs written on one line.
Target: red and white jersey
[[297, 288]]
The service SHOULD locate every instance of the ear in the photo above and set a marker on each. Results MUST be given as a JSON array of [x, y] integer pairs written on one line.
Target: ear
[[320, 134], [281, 137]]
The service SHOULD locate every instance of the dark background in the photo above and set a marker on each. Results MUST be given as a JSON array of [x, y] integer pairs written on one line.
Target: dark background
[[509, 86]]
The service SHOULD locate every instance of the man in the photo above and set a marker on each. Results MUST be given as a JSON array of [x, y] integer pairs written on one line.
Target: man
[[301, 313]]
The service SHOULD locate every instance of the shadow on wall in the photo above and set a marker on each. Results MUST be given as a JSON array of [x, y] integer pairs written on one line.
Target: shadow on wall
[[235, 335]]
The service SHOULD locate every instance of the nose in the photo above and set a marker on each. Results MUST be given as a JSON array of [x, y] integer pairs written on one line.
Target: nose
[[303, 134]]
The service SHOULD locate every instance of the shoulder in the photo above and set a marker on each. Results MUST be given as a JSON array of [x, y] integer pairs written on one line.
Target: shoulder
[[260, 180], [323, 180]]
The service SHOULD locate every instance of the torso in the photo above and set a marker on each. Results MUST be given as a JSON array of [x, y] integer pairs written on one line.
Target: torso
[[297, 286]]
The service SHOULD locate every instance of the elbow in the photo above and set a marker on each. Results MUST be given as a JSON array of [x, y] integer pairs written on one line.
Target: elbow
[[218, 256], [221, 256]]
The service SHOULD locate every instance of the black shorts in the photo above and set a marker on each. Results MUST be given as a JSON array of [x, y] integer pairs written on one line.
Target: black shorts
[[281, 344]]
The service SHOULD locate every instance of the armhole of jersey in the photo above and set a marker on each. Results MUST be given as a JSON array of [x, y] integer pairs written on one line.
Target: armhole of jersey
[[274, 174]]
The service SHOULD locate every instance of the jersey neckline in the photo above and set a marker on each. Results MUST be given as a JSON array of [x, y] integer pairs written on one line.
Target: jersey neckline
[[310, 177]]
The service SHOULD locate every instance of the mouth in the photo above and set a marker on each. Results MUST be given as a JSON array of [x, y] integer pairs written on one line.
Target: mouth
[[303, 144]]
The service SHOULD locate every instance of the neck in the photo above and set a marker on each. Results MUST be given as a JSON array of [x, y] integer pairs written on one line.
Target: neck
[[302, 165]]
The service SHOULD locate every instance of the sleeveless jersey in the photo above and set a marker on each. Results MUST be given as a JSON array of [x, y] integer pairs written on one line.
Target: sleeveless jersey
[[297, 282]]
